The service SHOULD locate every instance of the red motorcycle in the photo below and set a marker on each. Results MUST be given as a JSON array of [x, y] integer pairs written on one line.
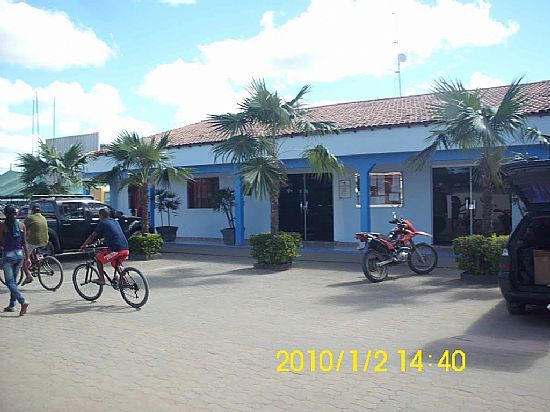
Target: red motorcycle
[[397, 247]]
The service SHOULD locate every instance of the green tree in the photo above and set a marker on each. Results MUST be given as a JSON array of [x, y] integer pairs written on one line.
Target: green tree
[[252, 141], [142, 163], [464, 120], [52, 172]]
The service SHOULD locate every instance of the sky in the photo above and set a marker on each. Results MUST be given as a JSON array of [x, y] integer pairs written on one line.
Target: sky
[[154, 65]]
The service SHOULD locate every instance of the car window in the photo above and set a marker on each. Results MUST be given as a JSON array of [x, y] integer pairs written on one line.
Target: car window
[[47, 209], [93, 208], [73, 210]]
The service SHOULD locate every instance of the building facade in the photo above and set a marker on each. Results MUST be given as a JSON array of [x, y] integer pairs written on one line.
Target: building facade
[[376, 140]]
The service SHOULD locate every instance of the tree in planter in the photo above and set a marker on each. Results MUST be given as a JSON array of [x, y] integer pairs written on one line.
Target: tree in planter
[[142, 162], [463, 120], [166, 202], [224, 200], [252, 141]]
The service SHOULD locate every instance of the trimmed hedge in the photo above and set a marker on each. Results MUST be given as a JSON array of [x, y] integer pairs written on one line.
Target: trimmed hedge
[[277, 248], [145, 243], [479, 255]]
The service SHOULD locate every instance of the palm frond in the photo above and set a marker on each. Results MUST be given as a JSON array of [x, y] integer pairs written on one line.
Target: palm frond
[[167, 175], [296, 102], [229, 124], [419, 160], [262, 176], [239, 149], [322, 161]]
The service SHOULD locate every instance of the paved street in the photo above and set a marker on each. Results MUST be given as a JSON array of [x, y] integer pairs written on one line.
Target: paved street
[[209, 335]]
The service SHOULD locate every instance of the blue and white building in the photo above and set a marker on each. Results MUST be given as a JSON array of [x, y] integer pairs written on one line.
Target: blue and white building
[[377, 137]]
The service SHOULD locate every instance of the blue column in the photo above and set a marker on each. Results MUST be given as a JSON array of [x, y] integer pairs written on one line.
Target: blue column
[[85, 191], [114, 193], [152, 207], [364, 195], [239, 211]]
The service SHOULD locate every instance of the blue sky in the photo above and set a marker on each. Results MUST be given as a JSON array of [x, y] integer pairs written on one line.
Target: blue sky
[[153, 65]]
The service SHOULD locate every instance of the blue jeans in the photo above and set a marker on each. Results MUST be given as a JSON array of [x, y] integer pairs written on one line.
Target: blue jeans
[[12, 267]]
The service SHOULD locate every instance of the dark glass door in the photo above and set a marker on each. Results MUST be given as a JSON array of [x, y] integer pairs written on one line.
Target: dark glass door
[[306, 206], [457, 207]]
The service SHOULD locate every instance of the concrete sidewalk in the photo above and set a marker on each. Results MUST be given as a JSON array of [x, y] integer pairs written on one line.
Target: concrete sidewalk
[[312, 251]]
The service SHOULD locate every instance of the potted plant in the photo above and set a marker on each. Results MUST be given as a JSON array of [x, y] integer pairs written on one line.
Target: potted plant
[[167, 202], [223, 200]]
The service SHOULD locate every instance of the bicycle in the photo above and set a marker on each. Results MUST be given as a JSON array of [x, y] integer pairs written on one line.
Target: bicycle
[[47, 268], [129, 281]]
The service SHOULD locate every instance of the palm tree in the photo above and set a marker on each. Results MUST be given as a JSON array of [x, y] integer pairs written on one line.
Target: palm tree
[[142, 162], [252, 141], [462, 119], [52, 172]]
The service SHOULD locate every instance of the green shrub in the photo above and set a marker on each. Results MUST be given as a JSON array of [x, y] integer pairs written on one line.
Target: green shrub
[[275, 248], [478, 254], [145, 243]]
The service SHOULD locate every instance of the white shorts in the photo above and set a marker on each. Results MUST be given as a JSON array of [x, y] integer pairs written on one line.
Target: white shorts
[[32, 248]]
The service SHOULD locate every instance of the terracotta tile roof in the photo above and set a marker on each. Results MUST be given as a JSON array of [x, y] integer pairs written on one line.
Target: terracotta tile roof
[[389, 112]]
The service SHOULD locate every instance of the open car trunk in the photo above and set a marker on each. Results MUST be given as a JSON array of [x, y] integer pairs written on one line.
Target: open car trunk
[[532, 243]]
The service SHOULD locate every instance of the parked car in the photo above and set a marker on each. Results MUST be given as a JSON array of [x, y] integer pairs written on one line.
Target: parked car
[[524, 276], [72, 219]]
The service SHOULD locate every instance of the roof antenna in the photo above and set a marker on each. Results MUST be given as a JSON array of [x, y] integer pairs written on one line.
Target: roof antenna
[[401, 58]]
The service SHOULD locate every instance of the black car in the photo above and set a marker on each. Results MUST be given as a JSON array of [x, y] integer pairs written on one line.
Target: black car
[[524, 276], [72, 219]]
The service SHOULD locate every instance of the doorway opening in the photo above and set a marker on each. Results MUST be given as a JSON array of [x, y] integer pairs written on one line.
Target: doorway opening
[[306, 207], [457, 207]]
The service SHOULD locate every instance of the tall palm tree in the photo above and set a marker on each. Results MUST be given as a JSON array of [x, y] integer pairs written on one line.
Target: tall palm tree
[[252, 141], [142, 162], [462, 119], [53, 172]]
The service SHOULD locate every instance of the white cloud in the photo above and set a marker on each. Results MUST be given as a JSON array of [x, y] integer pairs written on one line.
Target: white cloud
[[329, 41], [36, 38], [78, 111], [479, 80], [175, 3]]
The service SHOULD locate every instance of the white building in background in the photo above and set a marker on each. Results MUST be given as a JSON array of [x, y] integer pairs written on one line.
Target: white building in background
[[89, 142], [377, 137]]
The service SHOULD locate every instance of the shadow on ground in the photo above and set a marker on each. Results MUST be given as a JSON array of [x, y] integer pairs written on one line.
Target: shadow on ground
[[500, 342]]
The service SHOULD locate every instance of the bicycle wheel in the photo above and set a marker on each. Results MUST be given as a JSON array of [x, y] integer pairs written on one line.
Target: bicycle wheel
[[82, 280], [50, 273], [133, 287]]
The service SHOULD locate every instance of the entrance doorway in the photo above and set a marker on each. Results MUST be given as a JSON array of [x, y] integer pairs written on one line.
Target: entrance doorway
[[457, 207], [306, 206]]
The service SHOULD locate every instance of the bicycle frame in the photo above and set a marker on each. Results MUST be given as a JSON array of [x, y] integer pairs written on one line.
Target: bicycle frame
[[92, 261]]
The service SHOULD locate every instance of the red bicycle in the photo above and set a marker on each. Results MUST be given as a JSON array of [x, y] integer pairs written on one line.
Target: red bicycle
[[397, 247]]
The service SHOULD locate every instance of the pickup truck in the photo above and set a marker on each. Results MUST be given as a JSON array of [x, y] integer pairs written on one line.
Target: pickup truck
[[72, 220]]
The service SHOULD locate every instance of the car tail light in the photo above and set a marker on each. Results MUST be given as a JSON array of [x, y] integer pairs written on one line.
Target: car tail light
[[505, 261]]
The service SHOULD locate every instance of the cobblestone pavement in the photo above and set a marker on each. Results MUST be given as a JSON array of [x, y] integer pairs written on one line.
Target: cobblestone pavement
[[209, 335]]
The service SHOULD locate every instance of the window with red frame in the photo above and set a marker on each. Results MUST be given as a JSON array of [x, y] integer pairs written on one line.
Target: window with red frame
[[386, 189], [200, 191]]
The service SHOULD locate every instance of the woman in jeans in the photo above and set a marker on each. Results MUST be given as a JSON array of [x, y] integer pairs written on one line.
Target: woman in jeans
[[12, 233]]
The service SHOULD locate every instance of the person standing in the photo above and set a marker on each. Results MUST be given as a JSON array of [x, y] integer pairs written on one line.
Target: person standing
[[12, 234], [37, 236]]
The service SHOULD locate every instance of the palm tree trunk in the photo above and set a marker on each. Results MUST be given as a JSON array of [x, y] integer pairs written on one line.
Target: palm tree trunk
[[486, 198], [144, 203], [274, 198]]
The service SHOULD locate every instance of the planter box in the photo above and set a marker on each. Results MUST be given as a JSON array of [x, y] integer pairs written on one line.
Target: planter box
[[168, 233], [273, 266], [228, 236], [479, 279]]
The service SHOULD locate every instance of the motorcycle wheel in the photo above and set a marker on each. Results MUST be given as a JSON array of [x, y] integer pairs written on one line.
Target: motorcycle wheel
[[372, 271], [422, 259]]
